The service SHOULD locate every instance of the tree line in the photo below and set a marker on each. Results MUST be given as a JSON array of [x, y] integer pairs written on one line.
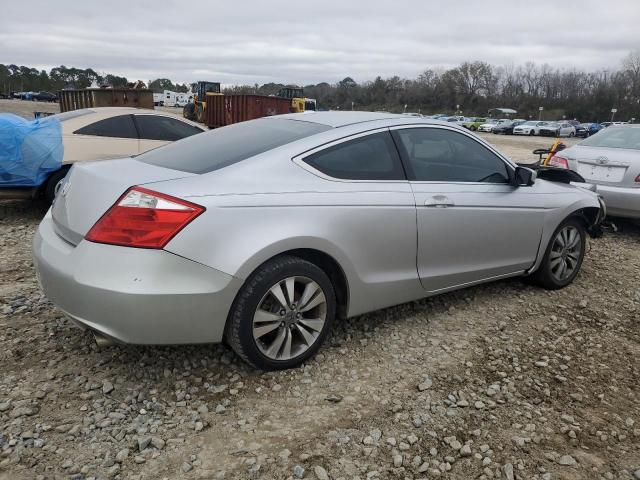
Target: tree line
[[471, 89], [14, 78]]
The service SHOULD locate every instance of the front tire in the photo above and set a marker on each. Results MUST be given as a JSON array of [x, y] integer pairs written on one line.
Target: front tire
[[564, 255], [282, 314]]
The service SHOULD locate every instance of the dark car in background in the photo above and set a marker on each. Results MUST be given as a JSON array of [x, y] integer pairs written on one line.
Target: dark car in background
[[587, 129], [506, 128], [44, 97]]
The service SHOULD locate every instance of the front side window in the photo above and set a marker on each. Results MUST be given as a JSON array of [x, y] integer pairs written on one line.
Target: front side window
[[440, 155], [372, 157], [158, 127], [116, 127]]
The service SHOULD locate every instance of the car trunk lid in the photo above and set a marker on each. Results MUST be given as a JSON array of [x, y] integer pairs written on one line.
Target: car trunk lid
[[606, 166], [91, 188]]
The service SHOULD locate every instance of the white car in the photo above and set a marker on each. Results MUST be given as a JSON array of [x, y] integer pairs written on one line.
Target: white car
[[488, 127], [532, 127]]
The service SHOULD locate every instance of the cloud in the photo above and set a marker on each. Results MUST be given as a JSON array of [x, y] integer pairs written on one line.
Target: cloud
[[301, 42]]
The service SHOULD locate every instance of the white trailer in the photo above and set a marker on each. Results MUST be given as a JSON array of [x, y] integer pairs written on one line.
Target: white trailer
[[169, 98]]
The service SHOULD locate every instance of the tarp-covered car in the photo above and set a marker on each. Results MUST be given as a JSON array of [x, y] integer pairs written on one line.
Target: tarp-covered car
[[36, 155]]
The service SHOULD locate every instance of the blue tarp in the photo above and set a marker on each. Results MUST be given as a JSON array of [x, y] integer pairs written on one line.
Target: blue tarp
[[29, 150]]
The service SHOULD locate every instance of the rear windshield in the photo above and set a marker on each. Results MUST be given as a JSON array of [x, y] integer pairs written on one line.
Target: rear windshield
[[225, 146], [615, 137]]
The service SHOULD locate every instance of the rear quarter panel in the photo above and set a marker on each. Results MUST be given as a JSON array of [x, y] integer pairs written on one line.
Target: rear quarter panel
[[369, 228]]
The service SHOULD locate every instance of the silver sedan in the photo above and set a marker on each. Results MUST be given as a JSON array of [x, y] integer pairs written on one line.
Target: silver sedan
[[610, 159], [264, 233]]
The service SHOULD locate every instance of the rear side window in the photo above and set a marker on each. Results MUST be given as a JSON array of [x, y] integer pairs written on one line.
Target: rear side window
[[373, 157], [118, 127], [157, 127], [440, 155], [231, 144]]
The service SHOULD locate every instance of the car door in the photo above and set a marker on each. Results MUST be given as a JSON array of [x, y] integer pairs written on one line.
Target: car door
[[473, 224], [372, 213], [112, 137], [158, 130]]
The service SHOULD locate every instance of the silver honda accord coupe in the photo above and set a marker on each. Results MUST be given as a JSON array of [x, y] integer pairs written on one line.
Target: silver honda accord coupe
[[264, 233]]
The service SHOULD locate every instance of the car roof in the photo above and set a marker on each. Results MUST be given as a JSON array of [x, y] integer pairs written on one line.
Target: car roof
[[340, 119], [359, 119]]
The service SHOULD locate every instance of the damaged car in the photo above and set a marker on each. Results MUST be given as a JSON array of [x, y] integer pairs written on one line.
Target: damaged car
[[296, 222]]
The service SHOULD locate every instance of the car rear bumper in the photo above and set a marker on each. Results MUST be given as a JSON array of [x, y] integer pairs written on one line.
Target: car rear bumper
[[621, 202], [133, 295]]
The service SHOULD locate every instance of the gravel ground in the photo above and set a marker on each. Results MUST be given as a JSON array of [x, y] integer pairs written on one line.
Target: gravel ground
[[25, 108], [503, 381]]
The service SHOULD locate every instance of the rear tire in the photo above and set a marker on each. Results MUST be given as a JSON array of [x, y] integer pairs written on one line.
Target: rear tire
[[563, 257], [271, 331], [49, 191]]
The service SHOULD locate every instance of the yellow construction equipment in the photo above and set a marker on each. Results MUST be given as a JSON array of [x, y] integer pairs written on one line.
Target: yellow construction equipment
[[298, 101], [195, 110]]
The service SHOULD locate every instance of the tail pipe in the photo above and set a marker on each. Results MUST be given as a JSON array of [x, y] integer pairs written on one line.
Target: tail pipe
[[102, 341]]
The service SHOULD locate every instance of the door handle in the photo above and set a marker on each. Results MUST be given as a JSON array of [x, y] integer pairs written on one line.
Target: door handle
[[438, 201]]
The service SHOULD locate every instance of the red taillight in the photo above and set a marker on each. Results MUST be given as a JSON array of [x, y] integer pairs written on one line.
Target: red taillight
[[143, 218], [637, 180], [560, 162]]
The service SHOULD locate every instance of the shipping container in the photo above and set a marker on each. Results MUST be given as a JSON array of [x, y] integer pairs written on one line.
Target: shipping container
[[104, 97], [224, 110]]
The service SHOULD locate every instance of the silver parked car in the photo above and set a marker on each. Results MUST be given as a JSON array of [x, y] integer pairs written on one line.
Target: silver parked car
[[263, 233], [531, 127], [609, 159]]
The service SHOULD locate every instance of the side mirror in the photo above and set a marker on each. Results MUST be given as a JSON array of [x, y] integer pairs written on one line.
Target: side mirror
[[524, 177]]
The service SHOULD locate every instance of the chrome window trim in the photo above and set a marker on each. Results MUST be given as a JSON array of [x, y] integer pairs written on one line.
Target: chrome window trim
[[299, 159]]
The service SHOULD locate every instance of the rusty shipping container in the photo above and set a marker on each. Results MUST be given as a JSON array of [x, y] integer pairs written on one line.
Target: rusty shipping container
[[227, 109], [104, 97]]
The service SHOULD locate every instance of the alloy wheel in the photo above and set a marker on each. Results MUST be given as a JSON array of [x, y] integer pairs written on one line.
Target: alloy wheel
[[565, 253], [290, 317]]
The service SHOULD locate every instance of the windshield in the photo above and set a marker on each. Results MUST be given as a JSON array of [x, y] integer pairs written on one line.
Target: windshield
[[615, 137], [225, 146]]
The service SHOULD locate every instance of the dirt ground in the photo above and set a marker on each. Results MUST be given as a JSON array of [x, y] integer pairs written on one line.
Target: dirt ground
[[26, 108], [504, 380]]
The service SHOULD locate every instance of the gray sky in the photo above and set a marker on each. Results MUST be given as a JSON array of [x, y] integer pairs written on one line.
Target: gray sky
[[308, 42]]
